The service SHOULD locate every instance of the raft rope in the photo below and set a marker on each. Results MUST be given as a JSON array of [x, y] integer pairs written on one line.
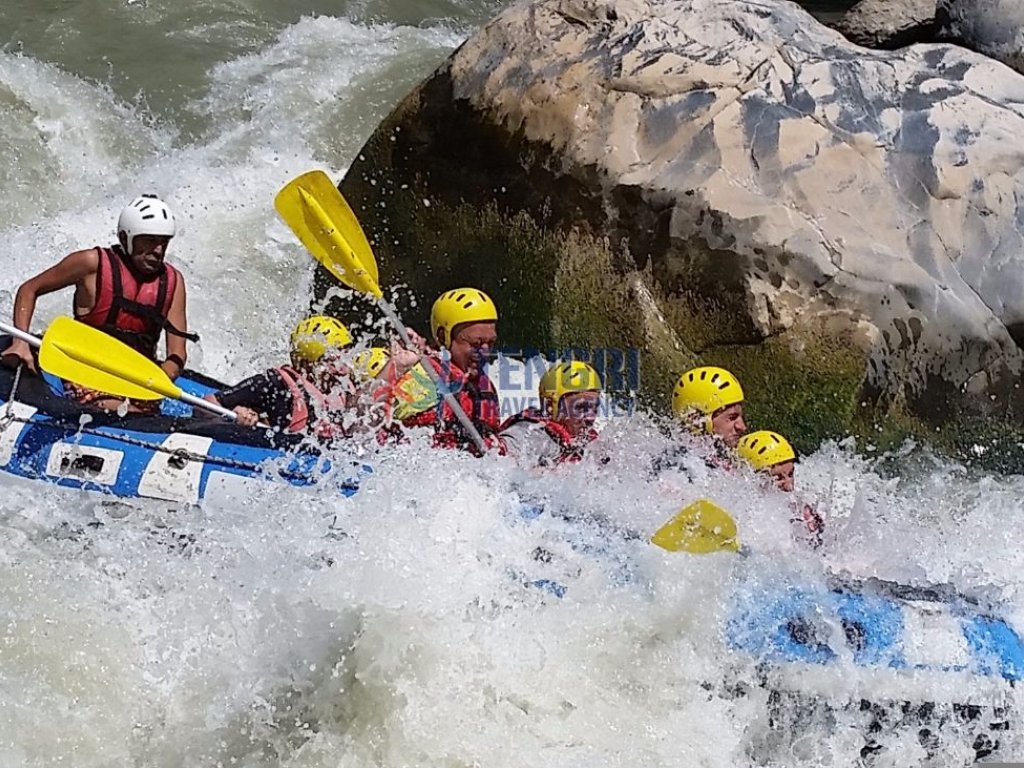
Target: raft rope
[[8, 415], [179, 456]]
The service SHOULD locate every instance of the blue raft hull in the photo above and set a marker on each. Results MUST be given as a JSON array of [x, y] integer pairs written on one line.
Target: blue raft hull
[[876, 624], [172, 457], [871, 624]]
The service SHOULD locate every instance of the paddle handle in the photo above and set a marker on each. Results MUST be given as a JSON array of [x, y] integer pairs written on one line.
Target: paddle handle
[[206, 405], [28, 338], [460, 414], [185, 397]]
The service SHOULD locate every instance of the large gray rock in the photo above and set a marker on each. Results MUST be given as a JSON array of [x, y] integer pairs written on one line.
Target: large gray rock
[[889, 23], [765, 175], [992, 27]]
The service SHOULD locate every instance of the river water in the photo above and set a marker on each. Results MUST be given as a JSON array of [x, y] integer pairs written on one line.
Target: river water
[[288, 628]]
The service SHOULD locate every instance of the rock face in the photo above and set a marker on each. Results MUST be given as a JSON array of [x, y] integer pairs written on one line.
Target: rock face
[[992, 27], [889, 23], [722, 180]]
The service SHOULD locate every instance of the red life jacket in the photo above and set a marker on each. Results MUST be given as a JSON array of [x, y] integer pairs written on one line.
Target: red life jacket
[[132, 308], [306, 399], [478, 398], [571, 447]]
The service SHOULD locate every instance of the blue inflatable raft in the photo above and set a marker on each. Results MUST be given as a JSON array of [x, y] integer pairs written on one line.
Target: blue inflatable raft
[[876, 623], [173, 457], [895, 658], [867, 623], [936, 665]]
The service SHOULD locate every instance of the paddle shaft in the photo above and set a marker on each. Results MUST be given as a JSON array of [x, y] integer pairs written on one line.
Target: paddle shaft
[[28, 338], [185, 397], [206, 405], [460, 414]]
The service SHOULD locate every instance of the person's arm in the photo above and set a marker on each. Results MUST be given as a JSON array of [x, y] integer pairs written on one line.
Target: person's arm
[[70, 270], [176, 353], [529, 443], [400, 360], [247, 417], [515, 438], [262, 395], [420, 344]]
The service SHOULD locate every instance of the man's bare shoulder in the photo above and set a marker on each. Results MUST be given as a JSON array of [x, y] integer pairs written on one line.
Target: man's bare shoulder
[[72, 269], [86, 258]]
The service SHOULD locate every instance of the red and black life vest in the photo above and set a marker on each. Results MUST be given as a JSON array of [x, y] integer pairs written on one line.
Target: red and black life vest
[[130, 307], [307, 399], [571, 448], [478, 398]]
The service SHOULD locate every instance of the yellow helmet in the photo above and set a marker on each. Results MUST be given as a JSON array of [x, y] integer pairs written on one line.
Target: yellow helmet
[[370, 362], [315, 335], [463, 305], [763, 449], [706, 389], [564, 379]]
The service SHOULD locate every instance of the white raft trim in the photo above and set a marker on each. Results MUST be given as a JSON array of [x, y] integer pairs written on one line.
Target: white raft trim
[[12, 430], [170, 480], [66, 460], [933, 636], [226, 487]]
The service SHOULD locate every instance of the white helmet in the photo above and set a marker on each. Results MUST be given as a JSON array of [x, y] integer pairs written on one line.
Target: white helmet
[[145, 215]]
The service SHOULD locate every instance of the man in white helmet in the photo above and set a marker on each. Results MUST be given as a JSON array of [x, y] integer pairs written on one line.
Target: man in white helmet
[[125, 290]]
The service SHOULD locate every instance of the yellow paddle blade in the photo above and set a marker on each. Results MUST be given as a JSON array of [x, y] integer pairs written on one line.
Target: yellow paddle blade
[[321, 218], [90, 358], [699, 528]]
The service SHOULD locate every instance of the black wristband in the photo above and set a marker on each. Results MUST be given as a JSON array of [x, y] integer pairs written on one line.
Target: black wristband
[[177, 360]]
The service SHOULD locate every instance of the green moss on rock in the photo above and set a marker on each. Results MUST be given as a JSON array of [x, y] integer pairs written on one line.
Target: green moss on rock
[[560, 286], [807, 396]]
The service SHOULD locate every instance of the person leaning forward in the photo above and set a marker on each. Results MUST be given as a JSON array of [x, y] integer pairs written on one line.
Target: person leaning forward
[[319, 392]]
